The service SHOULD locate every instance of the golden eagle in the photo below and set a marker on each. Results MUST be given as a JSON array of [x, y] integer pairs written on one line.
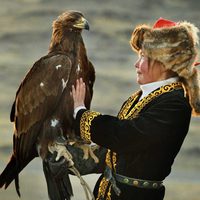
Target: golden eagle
[[43, 108]]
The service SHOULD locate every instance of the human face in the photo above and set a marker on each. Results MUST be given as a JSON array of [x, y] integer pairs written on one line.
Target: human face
[[148, 71]]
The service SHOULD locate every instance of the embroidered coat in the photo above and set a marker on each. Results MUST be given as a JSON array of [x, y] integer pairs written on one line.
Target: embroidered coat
[[142, 141]]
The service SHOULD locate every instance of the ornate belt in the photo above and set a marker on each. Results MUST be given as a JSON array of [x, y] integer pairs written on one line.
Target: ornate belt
[[140, 183], [113, 178]]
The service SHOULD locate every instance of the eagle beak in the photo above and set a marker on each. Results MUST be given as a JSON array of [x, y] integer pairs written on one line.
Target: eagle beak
[[82, 24]]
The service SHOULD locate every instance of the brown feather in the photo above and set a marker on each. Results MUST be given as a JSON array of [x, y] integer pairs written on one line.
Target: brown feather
[[33, 99]]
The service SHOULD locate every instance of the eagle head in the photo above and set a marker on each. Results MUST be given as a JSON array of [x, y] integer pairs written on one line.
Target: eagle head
[[67, 22], [71, 21]]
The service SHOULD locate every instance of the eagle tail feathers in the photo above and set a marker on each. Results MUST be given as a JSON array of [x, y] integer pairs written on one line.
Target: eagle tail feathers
[[58, 184], [9, 174], [17, 185]]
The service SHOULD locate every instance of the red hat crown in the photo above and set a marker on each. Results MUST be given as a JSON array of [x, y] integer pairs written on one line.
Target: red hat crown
[[161, 23]]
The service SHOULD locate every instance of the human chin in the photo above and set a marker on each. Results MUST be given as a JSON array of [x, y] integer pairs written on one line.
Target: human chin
[[139, 80]]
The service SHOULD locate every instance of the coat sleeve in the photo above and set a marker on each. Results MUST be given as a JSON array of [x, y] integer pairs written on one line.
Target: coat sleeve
[[163, 119]]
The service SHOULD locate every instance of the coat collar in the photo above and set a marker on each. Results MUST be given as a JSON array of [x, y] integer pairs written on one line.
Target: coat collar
[[150, 87]]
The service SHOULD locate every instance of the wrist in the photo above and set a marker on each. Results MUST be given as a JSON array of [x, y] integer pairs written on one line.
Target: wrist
[[77, 109], [78, 105]]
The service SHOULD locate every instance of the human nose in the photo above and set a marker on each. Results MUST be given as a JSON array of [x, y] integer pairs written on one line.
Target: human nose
[[137, 63]]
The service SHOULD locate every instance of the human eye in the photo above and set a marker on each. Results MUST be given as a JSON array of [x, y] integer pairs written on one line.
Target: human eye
[[142, 55]]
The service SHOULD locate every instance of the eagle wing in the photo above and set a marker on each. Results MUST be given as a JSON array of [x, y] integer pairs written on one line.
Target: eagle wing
[[37, 98]]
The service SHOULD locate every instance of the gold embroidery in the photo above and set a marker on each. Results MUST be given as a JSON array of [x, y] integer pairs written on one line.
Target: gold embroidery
[[124, 114], [114, 161], [102, 188], [85, 123], [104, 183], [108, 159], [108, 197], [128, 104]]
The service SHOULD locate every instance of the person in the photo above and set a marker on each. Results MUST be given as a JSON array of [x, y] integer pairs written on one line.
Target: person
[[146, 136]]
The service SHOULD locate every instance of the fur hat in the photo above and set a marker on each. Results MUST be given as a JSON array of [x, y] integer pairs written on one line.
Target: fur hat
[[174, 45]]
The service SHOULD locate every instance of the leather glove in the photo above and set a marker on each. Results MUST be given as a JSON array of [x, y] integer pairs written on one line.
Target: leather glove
[[57, 177], [57, 168]]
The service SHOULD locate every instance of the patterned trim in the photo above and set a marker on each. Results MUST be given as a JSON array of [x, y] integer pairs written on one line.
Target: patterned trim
[[124, 110], [108, 197], [133, 113], [108, 159], [111, 160], [111, 163], [85, 123], [114, 161], [102, 188]]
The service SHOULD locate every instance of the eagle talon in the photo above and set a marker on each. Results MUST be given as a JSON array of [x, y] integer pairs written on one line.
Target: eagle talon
[[88, 151], [61, 151]]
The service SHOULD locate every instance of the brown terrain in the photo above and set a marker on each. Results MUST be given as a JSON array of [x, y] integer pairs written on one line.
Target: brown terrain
[[24, 37]]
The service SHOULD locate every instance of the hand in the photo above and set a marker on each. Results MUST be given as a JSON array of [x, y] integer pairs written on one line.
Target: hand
[[78, 93]]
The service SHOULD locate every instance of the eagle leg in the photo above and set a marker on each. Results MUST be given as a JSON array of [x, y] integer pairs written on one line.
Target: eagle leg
[[61, 151]]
